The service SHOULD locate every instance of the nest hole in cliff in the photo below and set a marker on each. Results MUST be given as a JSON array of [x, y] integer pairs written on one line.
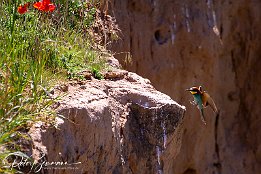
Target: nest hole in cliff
[[161, 36]]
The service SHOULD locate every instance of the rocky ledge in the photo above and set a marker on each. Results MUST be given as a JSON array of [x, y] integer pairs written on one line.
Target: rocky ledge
[[116, 125]]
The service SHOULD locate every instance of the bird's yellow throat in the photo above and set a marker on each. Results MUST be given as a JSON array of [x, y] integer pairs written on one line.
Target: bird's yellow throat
[[192, 92]]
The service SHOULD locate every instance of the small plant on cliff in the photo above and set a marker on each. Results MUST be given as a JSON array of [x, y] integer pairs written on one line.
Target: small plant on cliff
[[96, 74]]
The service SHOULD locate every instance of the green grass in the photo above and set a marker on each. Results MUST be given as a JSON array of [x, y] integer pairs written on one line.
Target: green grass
[[37, 50]]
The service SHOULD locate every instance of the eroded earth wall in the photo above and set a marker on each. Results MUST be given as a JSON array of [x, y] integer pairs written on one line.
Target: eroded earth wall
[[178, 44]]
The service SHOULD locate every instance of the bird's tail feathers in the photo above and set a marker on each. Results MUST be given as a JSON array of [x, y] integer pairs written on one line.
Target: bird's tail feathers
[[202, 116]]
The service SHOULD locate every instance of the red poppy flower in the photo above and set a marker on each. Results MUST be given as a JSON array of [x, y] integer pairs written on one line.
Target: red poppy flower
[[23, 8], [44, 5]]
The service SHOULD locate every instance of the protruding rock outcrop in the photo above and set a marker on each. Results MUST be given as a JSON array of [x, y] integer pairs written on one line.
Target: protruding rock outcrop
[[112, 126]]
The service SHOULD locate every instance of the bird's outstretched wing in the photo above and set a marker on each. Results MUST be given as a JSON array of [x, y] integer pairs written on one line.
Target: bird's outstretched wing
[[207, 100]]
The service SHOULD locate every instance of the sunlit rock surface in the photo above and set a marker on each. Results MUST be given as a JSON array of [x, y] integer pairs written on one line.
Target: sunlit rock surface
[[112, 126]]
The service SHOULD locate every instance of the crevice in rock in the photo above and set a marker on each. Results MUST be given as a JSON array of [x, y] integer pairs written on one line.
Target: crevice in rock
[[218, 163], [221, 31], [190, 171], [131, 34], [151, 52]]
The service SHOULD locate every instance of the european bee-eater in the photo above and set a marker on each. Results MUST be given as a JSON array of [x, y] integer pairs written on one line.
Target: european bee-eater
[[202, 99]]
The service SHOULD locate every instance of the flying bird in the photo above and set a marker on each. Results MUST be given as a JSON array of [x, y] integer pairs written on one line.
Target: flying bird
[[202, 99]]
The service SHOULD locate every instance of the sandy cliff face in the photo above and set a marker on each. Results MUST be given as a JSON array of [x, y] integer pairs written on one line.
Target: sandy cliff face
[[118, 125], [216, 44]]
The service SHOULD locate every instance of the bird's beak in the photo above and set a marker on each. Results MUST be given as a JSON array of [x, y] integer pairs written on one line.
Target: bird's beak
[[191, 91]]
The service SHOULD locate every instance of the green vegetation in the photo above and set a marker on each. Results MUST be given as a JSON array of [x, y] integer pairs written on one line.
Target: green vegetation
[[38, 48]]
